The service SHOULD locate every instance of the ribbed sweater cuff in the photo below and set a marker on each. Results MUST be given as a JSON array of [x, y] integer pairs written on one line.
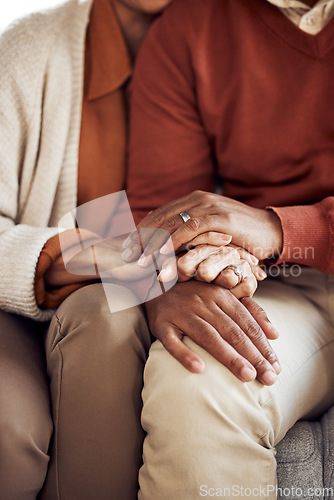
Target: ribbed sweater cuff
[[20, 249], [306, 235]]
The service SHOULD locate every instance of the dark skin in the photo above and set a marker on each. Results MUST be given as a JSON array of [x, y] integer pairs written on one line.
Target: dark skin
[[211, 316], [170, 316], [135, 17], [234, 332]]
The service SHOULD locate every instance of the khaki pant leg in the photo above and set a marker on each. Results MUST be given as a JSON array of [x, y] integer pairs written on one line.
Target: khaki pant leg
[[95, 361], [25, 417], [211, 435]]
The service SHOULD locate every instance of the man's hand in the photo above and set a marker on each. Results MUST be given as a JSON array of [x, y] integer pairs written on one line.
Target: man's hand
[[234, 332], [258, 231]]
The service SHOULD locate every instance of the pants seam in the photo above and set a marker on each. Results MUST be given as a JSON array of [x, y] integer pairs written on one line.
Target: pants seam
[[263, 435], [59, 326], [58, 421]]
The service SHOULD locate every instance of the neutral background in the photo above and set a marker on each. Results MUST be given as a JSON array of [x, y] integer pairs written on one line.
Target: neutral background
[[13, 9]]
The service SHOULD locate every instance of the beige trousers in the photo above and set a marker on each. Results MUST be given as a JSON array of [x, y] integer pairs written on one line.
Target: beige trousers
[[90, 426], [211, 435]]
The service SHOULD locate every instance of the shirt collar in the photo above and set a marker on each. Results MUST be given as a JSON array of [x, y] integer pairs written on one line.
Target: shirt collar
[[299, 4], [290, 3], [309, 19], [107, 59]]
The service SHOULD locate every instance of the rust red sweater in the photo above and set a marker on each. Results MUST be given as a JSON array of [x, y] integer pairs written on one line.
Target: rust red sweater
[[232, 88]]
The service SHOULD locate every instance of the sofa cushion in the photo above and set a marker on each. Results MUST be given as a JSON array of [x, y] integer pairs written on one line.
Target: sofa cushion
[[305, 460]]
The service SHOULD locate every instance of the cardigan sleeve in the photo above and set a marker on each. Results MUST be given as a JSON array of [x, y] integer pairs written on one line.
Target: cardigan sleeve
[[20, 244]]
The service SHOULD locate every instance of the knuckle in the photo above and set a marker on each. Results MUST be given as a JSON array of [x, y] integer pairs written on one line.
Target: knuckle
[[203, 272], [222, 250], [253, 331], [224, 281], [157, 218], [169, 342], [237, 338], [260, 364], [211, 342], [196, 301], [247, 303], [247, 268], [234, 254], [185, 267], [208, 196], [249, 287], [193, 224], [234, 363], [253, 307], [269, 354], [171, 223], [198, 192]]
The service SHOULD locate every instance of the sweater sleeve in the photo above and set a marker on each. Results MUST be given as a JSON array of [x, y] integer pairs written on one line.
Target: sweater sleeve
[[20, 244], [170, 154], [52, 297], [308, 234]]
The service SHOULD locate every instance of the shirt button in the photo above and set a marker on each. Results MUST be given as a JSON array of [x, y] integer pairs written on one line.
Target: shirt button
[[311, 20]]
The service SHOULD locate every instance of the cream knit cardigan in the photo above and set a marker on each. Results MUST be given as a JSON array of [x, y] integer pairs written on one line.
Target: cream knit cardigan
[[41, 83]]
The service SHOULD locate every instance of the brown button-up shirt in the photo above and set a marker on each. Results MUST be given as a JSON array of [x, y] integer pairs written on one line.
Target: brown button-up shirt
[[103, 136]]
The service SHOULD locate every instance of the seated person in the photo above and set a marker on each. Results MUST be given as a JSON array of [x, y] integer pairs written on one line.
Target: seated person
[[240, 91], [64, 89], [70, 420]]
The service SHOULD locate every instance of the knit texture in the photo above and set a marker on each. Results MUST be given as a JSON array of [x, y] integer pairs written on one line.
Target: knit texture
[[231, 91], [305, 459], [41, 82]]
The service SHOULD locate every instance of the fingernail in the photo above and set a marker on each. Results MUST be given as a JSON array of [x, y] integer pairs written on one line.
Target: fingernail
[[127, 254], [269, 377], [254, 260], [262, 274], [277, 367], [144, 260], [164, 249], [247, 373], [227, 237], [197, 367], [273, 328], [127, 242], [164, 274]]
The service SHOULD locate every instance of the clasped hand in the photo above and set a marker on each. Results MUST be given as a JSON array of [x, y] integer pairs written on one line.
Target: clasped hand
[[207, 309]]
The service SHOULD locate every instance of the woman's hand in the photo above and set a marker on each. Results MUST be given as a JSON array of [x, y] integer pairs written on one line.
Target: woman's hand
[[258, 231], [209, 263], [235, 332]]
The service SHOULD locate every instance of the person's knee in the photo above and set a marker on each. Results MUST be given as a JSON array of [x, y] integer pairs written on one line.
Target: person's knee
[[23, 455], [25, 418], [86, 316], [199, 426], [216, 398]]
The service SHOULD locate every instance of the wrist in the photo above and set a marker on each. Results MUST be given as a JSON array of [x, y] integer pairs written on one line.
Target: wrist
[[275, 241]]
